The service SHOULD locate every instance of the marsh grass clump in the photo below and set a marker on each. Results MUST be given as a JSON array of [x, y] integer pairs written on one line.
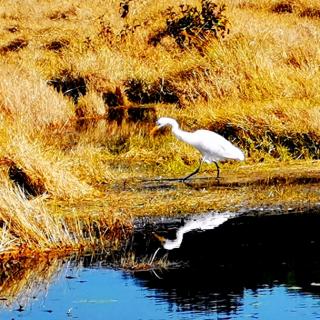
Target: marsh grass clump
[[42, 171], [118, 143], [300, 8], [115, 102], [28, 186], [13, 29], [192, 27], [29, 103], [283, 7], [160, 91], [121, 108], [57, 45], [297, 145], [124, 8], [14, 46], [142, 114], [123, 112], [116, 114], [31, 225], [113, 99], [129, 261], [66, 14], [73, 87], [310, 13], [106, 32]]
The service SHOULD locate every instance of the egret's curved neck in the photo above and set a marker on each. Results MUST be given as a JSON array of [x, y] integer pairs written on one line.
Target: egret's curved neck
[[174, 244], [181, 134]]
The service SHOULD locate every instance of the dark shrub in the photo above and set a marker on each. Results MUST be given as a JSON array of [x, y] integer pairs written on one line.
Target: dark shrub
[[282, 7], [191, 27], [14, 45], [161, 91]]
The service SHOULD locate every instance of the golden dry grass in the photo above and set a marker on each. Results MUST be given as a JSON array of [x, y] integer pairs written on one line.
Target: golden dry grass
[[258, 86]]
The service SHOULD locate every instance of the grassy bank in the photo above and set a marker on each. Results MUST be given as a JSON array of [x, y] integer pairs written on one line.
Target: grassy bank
[[82, 84]]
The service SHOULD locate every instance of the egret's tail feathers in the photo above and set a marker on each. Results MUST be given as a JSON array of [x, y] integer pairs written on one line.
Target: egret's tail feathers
[[241, 156]]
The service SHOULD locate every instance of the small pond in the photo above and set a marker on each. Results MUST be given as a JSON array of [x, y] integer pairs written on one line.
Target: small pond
[[249, 267]]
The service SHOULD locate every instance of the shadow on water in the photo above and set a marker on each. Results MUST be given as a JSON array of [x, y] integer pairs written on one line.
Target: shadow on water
[[229, 271], [244, 252]]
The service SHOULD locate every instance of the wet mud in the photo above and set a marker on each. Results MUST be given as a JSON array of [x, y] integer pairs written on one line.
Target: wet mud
[[229, 182]]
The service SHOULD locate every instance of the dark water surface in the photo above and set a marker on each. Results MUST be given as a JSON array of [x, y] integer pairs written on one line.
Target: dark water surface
[[247, 268]]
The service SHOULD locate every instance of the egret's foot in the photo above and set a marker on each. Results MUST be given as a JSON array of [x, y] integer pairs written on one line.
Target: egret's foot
[[184, 179]]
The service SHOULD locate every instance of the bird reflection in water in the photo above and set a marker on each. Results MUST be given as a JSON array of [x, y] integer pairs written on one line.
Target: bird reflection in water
[[201, 223]]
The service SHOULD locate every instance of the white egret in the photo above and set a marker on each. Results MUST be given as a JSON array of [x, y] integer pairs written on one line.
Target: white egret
[[211, 145]]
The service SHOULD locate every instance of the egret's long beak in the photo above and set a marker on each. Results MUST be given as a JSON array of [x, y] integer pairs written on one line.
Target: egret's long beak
[[154, 130], [160, 238]]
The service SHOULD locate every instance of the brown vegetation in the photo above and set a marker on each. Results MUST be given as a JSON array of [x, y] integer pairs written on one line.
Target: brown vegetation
[[82, 83]]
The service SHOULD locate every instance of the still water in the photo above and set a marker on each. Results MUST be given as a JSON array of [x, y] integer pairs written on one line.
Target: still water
[[110, 294], [264, 275]]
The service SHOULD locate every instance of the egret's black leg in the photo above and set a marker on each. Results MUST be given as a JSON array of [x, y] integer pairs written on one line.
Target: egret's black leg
[[193, 173], [218, 170]]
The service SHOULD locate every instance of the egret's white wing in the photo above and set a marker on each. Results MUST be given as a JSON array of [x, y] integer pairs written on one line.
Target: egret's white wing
[[214, 147]]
